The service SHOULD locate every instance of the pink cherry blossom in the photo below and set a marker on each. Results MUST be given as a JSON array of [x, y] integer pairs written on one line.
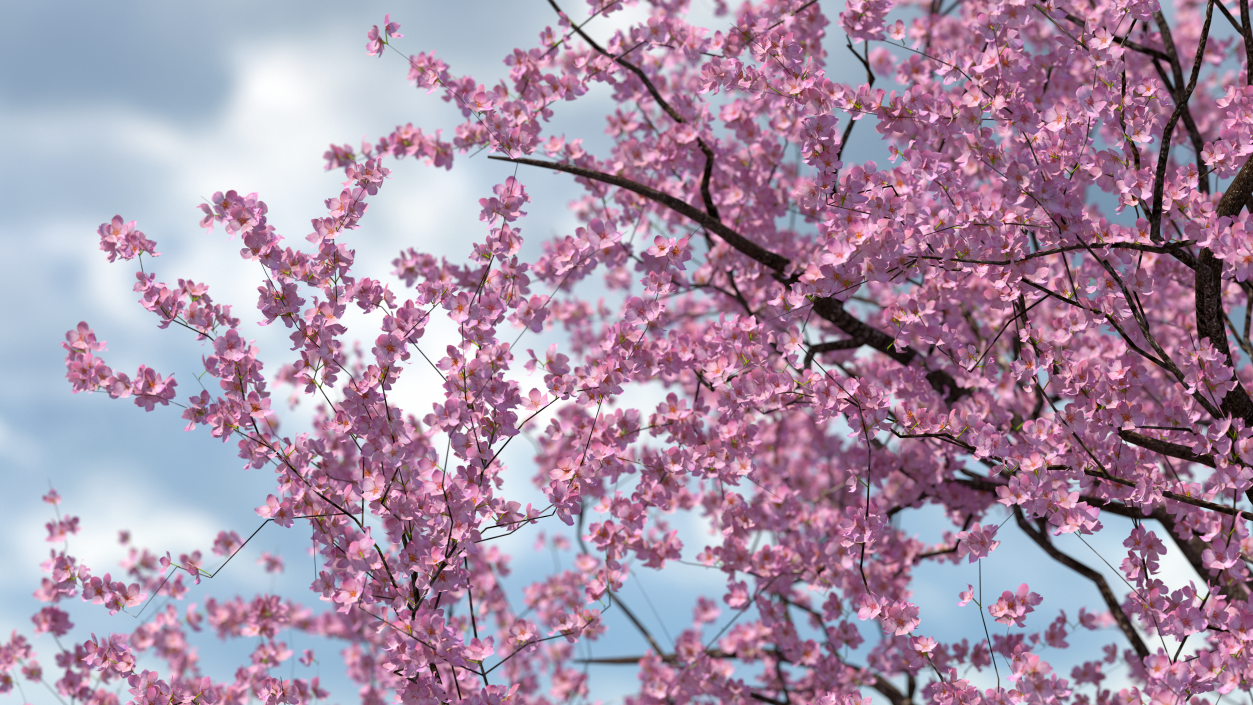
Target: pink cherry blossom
[[1012, 608], [977, 542]]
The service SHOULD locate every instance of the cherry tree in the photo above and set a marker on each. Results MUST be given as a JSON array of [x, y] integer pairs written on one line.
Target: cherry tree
[[1033, 316]]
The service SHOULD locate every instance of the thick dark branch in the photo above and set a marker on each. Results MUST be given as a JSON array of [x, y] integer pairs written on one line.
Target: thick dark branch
[[625, 660], [750, 249], [889, 691], [828, 308], [1227, 13], [1238, 193], [983, 484], [1247, 32], [833, 345], [833, 311], [1146, 50], [705, 177], [1166, 248], [1157, 54], [1193, 550], [975, 482], [1173, 450], [1211, 318], [1111, 601], [1175, 496], [1182, 95], [706, 196]]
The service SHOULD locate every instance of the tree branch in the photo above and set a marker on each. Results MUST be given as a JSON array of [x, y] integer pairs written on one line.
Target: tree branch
[[1157, 445], [881, 684], [833, 345], [638, 625], [1182, 96], [1111, 601], [830, 309], [1193, 550], [776, 263], [1247, 32], [706, 196]]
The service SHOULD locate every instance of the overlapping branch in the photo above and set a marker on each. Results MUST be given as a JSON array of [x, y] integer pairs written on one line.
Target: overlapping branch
[[829, 308], [1041, 539]]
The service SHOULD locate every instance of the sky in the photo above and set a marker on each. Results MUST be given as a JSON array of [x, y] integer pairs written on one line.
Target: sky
[[144, 109]]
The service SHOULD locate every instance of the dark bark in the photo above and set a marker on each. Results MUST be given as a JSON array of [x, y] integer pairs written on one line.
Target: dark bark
[[829, 308], [1042, 540]]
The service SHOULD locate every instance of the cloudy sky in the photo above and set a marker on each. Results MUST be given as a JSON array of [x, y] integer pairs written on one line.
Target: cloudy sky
[[144, 109]]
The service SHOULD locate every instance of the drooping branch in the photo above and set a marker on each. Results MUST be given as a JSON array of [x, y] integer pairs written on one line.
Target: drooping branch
[[638, 624], [1193, 550], [1042, 540], [775, 262], [1202, 503], [707, 173], [1235, 24], [830, 309]]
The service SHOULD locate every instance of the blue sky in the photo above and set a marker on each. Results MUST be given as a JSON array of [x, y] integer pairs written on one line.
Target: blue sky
[[144, 109]]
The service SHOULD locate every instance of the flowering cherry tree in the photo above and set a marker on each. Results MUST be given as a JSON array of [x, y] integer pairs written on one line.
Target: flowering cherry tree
[[1033, 315]]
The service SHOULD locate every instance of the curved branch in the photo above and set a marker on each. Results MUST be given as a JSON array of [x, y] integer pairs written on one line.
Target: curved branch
[[1169, 248], [1191, 548], [706, 196], [1111, 601], [638, 624], [775, 262], [1173, 450], [831, 346], [1175, 496], [828, 308], [1182, 95]]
